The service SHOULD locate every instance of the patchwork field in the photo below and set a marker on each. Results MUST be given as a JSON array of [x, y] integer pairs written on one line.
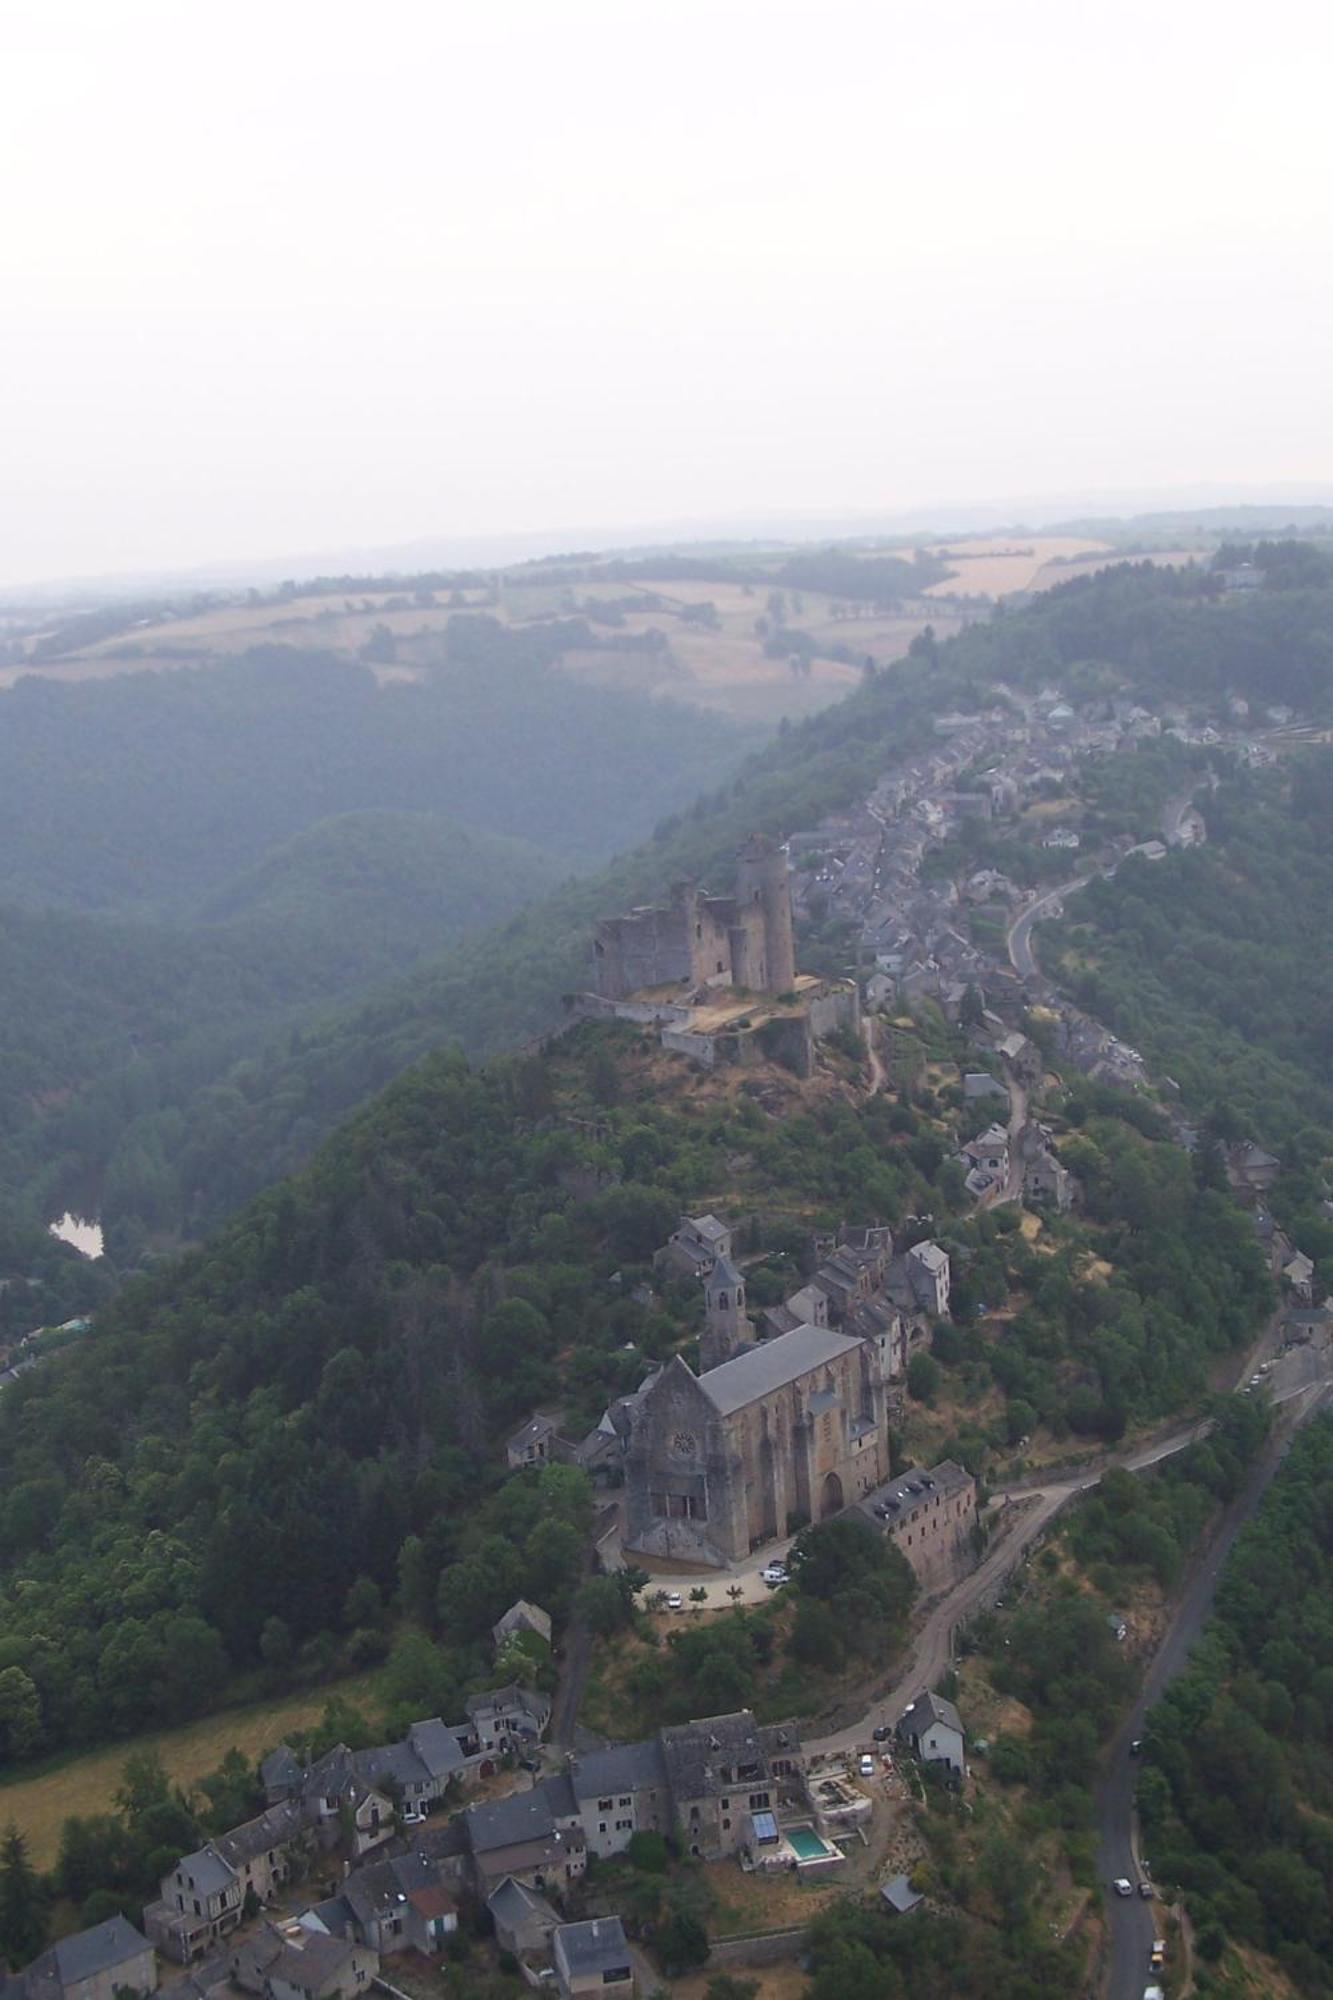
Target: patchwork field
[[1007, 564], [40, 1805], [706, 639], [719, 665]]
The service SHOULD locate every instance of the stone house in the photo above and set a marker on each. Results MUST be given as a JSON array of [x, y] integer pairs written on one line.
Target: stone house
[[723, 1769], [979, 1086], [303, 1965], [881, 1323], [989, 1152], [593, 1957], [930, 1517], [621, 1791], [537, 1442], [109, 1960], [1048, 1184], [692, 1250], [534, 1836], [508, 1718], [522, 1617], [929, 1275], [931, 1726], [200, 1904], [401, 1904], [1250, 1168], [524, 1922]]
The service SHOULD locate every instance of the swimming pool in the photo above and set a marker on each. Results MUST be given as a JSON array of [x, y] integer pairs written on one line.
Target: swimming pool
[[806, 1844]]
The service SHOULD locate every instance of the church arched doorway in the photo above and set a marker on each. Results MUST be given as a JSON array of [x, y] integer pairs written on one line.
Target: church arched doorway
[[831, 1496]]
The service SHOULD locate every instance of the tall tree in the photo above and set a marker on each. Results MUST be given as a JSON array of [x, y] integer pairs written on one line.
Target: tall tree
[[22, 1915]]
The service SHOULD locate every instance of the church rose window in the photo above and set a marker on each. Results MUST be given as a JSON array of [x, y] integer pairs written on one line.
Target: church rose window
[[682, 1444]]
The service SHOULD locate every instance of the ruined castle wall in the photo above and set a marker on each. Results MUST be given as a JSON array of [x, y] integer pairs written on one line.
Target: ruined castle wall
[[646, 948], [836, 1007], [749, 959]]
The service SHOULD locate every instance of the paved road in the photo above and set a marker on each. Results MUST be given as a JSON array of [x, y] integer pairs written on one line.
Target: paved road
[[1132, 1921], [1019, 940]]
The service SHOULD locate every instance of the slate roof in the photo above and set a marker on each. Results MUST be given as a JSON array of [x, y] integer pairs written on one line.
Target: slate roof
[[281, 1770], [930, 1255], [696, 1754], [271, 1829], [495, 1701], [771, 1365], [912, 1490], [313, 1963], [622, 1767], [437, 1746], [707, 1228], [512, 1903], [900, 1895], [927, 1710], [523, 1816], [92, 1951], [596, 1946], [724, 1272], [208, 1871]]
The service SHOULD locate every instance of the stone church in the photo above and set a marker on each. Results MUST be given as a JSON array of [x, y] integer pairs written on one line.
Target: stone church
[[788, 1431]]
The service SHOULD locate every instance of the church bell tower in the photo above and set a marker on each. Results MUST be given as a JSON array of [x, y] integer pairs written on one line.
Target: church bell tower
[[727, 1329]]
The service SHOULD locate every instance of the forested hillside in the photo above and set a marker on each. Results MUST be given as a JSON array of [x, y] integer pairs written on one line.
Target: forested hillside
[[188, 1498], [179, 1145], [151, 791], [1218, 964], [104, 1012], [1237, 1793], [1166, 632]]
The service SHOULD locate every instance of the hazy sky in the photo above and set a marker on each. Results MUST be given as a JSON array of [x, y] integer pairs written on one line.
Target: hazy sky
[[294, 276]]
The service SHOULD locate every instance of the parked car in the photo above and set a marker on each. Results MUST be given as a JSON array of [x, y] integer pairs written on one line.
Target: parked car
[[883, 1733], [1123, 1886], [675, 1602], [867, 1765], [1157, 1956], [1136, 1746], [775, 1573], [1146, 1890]]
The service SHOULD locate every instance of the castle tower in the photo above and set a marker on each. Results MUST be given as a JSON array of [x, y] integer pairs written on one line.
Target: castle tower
[[727, 1329], [762, 879]]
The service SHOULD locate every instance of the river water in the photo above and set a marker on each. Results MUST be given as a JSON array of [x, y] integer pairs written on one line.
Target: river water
[[85, 1236]]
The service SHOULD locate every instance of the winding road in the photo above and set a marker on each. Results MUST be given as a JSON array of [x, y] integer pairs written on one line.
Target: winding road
[[1019, 940], [1132, 1922]]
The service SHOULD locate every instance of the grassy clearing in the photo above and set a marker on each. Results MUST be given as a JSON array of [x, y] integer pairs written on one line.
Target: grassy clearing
[[40, 1804]]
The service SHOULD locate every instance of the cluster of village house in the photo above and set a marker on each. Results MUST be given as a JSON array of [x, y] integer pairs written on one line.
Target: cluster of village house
[[865, 865], [722, 1787], [784, 1423]]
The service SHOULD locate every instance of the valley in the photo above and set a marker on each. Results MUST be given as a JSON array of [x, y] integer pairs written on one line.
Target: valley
[[296, 1433]]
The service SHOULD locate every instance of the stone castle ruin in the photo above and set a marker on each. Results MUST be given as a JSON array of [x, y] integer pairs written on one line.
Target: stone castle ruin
[[717, 974], [696, 940]]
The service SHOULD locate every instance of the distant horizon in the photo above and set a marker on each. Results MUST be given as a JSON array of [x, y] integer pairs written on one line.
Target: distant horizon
[[499, 548]]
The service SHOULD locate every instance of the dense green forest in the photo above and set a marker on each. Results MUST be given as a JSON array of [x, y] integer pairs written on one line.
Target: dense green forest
[[1237, 1791], [108, 1016], [177, 1140], [189, 1496], [193, 1147], [151, 791], [1218, 964]]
